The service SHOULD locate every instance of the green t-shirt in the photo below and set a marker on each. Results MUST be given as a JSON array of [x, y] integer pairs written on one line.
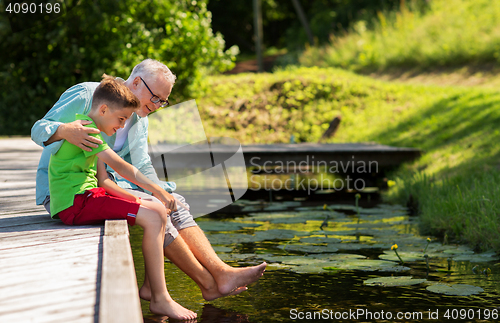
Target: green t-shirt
[[72, 171]]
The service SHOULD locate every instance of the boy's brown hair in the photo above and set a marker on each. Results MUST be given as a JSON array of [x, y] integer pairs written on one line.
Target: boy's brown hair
[[115, 94]]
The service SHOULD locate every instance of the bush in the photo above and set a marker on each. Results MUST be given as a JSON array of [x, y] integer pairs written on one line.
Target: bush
[[93, 37]]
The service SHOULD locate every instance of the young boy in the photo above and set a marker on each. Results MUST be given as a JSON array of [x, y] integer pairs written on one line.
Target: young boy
[[82, 193]]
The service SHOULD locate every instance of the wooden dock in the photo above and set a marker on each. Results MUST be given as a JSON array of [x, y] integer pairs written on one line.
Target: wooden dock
[[50, 272], [341, 155]]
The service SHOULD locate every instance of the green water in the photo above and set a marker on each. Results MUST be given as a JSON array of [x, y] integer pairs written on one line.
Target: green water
[[296, 288]]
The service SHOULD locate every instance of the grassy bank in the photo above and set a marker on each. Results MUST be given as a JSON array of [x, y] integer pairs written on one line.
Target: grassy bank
[[447, 33], [455, 182]]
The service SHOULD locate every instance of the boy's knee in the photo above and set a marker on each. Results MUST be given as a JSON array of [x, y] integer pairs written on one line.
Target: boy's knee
[[163, 215]]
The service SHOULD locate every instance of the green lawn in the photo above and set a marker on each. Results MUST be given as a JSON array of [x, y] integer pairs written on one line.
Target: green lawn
[[447, 33]]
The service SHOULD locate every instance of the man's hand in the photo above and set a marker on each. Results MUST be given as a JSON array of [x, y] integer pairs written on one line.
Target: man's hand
[[75, 133], [167, 199]]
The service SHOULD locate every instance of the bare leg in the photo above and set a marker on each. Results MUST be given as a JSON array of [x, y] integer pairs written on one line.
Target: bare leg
[[228, 279], [182, 257], [152, 218]]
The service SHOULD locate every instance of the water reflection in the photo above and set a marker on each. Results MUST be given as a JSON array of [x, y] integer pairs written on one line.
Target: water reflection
[[210, 314], [282, 293]]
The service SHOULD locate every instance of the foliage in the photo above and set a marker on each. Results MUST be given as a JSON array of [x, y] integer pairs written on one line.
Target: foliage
[[450, 33], [93, 37], [270, 108]]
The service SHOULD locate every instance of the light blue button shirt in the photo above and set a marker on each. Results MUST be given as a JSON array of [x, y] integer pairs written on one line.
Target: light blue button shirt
[[78, 100]]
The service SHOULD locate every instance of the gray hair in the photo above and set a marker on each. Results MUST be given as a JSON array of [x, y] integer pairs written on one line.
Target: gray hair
[[153, 68]]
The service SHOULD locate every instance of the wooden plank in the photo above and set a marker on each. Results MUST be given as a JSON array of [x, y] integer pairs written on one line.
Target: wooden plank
[[37, 231], [258, 155], [15, 221], [119, 298], [58, 249], [18, 192], [23, 263], [48, 282], [79, 302], [46, 239], [25, 212], [49, 272]]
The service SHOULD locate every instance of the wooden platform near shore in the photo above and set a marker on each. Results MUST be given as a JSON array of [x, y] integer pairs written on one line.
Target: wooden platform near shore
[[51, 272], [340, 155]]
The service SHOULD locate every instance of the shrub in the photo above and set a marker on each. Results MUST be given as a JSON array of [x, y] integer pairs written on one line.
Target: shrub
[[93, 37]]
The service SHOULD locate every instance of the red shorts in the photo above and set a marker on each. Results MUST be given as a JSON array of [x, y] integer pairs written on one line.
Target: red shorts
[[94, 206]]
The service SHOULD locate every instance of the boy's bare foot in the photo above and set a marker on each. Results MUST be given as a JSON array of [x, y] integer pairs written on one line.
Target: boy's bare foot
[[237, 277], [145, 293], [172, 309], [208, 294]]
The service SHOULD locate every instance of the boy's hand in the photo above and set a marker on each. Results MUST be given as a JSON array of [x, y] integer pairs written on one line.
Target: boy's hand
[[167, 199], [75, 133]]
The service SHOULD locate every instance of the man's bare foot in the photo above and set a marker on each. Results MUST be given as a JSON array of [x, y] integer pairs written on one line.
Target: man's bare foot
[[211, 294], [172, 309], [236, 277]]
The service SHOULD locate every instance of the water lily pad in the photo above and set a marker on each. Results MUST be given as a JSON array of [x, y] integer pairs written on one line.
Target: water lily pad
[[357, 246], [236, 256], [294, 260], [310, 248], [354, 232], [383, 213], [458, 252], [328, 191], [393, 281], [306, 261], [312, 268], [406, 256], [222, 249], [322, 263], [365, 265], [476, 258], [369, 190], [295, 220], [251, 208], [246, 202], [276, 266], [291, 203], [319, 240], [369, 225], [343, 207], [275, 207], [287, 217], [308, 208], [394, 269], [337, 256], [224, 226], [455, 290], [278, 234], [231, 238]]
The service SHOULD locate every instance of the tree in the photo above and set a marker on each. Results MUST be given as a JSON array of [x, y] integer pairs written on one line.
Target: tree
[[96, 37]]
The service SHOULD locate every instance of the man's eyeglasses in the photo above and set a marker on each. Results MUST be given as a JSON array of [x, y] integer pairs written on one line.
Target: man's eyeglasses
[[155, 98]]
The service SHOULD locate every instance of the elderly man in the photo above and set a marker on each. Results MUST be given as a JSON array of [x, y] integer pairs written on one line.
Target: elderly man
[[185, 243]]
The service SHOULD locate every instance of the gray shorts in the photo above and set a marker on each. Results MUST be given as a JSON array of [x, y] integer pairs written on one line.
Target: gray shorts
[[180, 219]]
